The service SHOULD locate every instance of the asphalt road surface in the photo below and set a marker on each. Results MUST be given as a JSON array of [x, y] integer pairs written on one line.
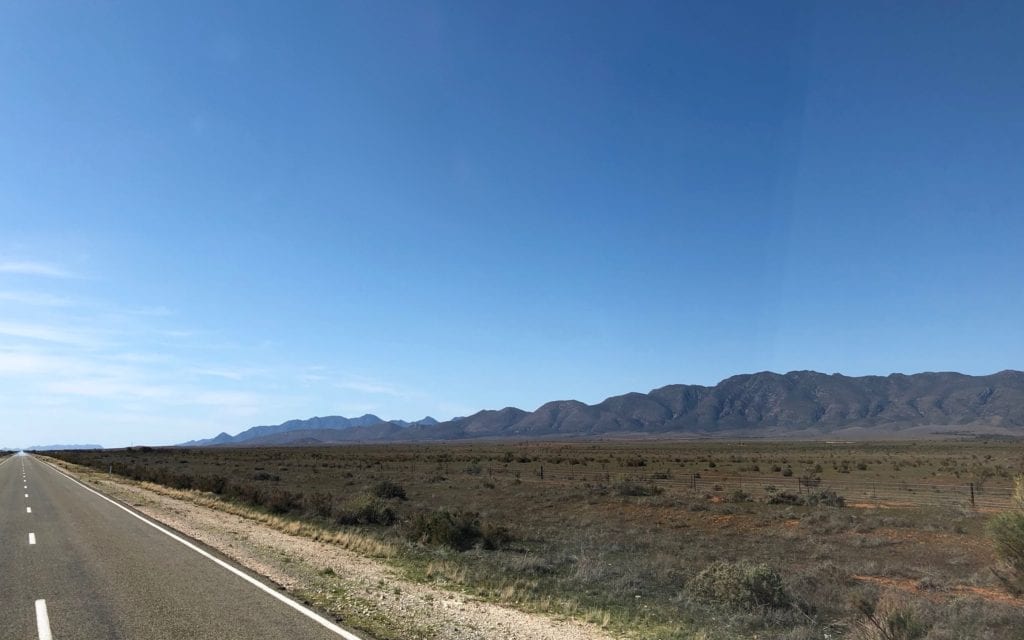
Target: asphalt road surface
[[74, 565]]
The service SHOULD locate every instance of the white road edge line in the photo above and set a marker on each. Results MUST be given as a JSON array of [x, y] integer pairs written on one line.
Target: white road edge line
[[31, 538], [309, 613], [43, 621]]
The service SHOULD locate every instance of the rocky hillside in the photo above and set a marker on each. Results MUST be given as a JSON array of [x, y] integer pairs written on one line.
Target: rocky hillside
[[771, 402]]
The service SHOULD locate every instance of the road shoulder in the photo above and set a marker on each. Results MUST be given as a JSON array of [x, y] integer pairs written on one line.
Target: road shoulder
[[359, 591]]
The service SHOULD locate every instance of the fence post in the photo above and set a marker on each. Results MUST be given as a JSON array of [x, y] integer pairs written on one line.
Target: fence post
[[972, 495]]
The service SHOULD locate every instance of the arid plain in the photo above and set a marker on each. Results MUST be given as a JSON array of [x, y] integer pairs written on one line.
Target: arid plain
[[647, 540]]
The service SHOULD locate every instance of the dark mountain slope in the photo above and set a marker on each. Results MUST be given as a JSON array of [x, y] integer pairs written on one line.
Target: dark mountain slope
[[795, 401]]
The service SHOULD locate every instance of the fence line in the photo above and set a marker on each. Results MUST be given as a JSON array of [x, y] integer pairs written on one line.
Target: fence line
[[880, 492]]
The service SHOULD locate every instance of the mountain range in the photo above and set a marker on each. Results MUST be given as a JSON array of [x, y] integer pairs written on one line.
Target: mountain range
[[287, 432], [766, 404]]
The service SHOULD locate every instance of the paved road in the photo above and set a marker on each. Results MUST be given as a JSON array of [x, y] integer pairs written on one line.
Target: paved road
[[98, 572]]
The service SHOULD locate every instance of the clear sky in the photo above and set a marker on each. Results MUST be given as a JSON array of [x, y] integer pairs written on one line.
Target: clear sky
[[221, 214]]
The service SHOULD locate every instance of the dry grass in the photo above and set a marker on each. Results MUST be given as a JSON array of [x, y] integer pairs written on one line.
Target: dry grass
[[346, 539], [624, 559]]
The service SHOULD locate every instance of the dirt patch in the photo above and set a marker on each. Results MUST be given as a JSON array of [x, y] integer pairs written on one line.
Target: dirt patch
[[934, 539], [911, 586], [359, 591], [881, 504], [722, 520]]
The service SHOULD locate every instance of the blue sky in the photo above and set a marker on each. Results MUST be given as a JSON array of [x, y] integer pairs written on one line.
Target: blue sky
[[214, 215]]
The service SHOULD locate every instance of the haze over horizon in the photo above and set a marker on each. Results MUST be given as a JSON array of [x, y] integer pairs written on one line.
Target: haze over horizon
[[219, 216]]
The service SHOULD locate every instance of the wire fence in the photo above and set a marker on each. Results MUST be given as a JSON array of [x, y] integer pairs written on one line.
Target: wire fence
[[985, 495]]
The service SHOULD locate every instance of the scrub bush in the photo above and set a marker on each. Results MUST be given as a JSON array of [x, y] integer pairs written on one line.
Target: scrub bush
[[1007, 532], [742, 586]]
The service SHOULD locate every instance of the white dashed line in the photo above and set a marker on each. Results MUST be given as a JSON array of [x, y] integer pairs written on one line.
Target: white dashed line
[[31, 538], [26, 495], [43, 621], [28, 509]]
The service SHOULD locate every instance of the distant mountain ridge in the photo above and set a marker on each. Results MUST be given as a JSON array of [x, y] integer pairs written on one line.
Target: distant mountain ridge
[[758, 404], [295, 429]]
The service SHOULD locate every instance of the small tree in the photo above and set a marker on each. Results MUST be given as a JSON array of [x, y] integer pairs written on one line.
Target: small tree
[[1007, 531]]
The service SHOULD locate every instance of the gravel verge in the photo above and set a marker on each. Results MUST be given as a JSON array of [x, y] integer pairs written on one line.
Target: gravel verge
[[359, 591]]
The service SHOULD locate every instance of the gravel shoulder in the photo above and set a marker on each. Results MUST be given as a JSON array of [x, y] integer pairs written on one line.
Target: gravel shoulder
[[361, 592]]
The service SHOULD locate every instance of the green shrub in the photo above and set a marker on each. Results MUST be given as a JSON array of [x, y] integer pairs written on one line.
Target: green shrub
[[825, 497], [889, 619], [214, 484], [281, 501], [1007, 532], [742, 586], [903, 624], [785, 497], [739, 495], [389, 490], [630, 488], [459, 530], [245, 492], [319, 504], [496, 537], [367, 511]]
